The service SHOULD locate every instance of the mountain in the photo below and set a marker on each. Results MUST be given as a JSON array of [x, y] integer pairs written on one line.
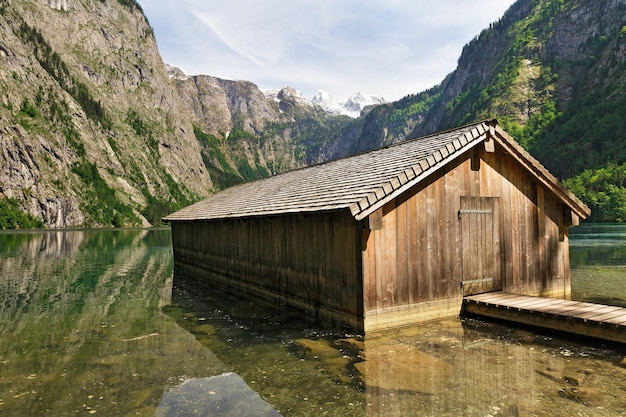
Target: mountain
[[541, 64], [245, 133], [97, 131], [353, 107], [542, 69]]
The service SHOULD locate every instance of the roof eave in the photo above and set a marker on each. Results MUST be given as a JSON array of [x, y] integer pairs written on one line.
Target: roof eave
[[260, 214]]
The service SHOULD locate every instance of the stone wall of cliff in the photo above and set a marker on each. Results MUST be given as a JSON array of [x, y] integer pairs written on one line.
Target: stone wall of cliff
[[82, 84]]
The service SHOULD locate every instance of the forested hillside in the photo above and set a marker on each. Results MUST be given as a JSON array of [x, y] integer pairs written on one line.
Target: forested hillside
[[560, 89]]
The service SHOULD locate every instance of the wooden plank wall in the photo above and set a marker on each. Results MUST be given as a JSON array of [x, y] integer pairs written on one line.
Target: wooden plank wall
[[308, 261], [412, 262], [409, 255]]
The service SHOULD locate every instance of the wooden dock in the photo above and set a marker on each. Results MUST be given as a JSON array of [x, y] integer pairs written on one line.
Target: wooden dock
[[587, 319]]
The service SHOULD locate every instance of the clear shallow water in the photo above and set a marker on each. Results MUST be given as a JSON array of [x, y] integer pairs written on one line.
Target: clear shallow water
[[93, 323], [598, 263]]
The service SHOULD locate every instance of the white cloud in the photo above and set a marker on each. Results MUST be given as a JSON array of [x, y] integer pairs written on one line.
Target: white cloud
[[388, 48]]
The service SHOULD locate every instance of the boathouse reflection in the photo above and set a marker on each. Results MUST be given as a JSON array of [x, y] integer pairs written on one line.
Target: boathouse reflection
[[446, 367]]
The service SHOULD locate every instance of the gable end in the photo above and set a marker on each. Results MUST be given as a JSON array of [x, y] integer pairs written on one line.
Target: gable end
[[437, 159]]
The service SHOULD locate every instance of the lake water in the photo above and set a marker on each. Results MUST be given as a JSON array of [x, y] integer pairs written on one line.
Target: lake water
[[94, 323]]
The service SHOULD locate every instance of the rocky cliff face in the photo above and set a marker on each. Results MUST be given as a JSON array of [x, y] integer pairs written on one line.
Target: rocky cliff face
[[216, 104], [540, 55], [88, 117], [592, 33], [248, 134]]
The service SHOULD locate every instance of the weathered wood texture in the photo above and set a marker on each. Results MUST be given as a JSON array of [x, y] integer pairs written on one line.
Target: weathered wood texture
[[393, 236], [308, 261], [480, 240], [587, 319], [425, 244]]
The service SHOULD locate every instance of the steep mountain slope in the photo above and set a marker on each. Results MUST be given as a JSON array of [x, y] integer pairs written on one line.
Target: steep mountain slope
[[247, 134], [543, 65], [92, 133], [96, 132], [553, 73]]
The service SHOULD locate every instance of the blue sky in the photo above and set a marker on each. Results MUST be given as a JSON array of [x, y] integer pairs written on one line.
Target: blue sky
[[386, 48]]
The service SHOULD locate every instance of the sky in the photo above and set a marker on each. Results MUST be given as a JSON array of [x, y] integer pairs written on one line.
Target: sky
[[384, 48]]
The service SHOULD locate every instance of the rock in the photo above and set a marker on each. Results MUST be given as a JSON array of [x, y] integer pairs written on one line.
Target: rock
[[350, 344], [221, 395], [551, 375], [41, 145], [204, 329], [58, 4], [317, 349], [575, 376], [584, 395], [521, 409]]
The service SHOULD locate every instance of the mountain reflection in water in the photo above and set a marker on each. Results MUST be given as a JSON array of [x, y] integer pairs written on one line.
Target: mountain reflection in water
[[94, 323]]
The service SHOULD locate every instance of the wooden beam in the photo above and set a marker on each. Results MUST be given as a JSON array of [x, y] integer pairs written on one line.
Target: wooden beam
[[475, 164], [587, 319], [550, 321], [490, 144]]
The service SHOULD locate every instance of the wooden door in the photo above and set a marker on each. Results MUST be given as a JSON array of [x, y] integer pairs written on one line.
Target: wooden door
[[480, 228]]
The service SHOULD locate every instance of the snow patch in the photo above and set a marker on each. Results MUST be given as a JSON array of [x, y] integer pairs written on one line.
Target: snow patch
[[351, 107], [175, 72]]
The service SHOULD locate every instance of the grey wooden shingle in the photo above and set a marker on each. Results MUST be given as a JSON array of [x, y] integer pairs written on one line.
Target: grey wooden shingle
[[360, 183]]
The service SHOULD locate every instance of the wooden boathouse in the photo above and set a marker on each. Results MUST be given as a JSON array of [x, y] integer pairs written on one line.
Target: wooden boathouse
[[389, 237]]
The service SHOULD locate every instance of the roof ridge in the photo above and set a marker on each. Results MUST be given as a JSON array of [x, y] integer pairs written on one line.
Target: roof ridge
[[422, 168]]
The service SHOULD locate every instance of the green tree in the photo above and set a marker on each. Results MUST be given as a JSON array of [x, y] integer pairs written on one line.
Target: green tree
[[13, 217]]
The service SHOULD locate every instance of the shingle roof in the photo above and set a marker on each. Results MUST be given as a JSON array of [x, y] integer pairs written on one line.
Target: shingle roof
[[360, 183]]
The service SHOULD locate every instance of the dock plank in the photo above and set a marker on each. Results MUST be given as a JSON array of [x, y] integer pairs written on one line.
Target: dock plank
[[595, 312], [565, 310], [607, 316], [587, 319], [540, 305], [621, 319], [493, 298]]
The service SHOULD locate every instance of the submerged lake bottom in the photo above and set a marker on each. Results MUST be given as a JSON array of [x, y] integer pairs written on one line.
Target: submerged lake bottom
[[96, 323], [458, 366]]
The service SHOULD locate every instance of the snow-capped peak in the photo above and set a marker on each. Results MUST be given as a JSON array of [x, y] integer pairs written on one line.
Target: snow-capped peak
[[352, 107], [327, 102], [286, 92], [175, 72], [358, 101]]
